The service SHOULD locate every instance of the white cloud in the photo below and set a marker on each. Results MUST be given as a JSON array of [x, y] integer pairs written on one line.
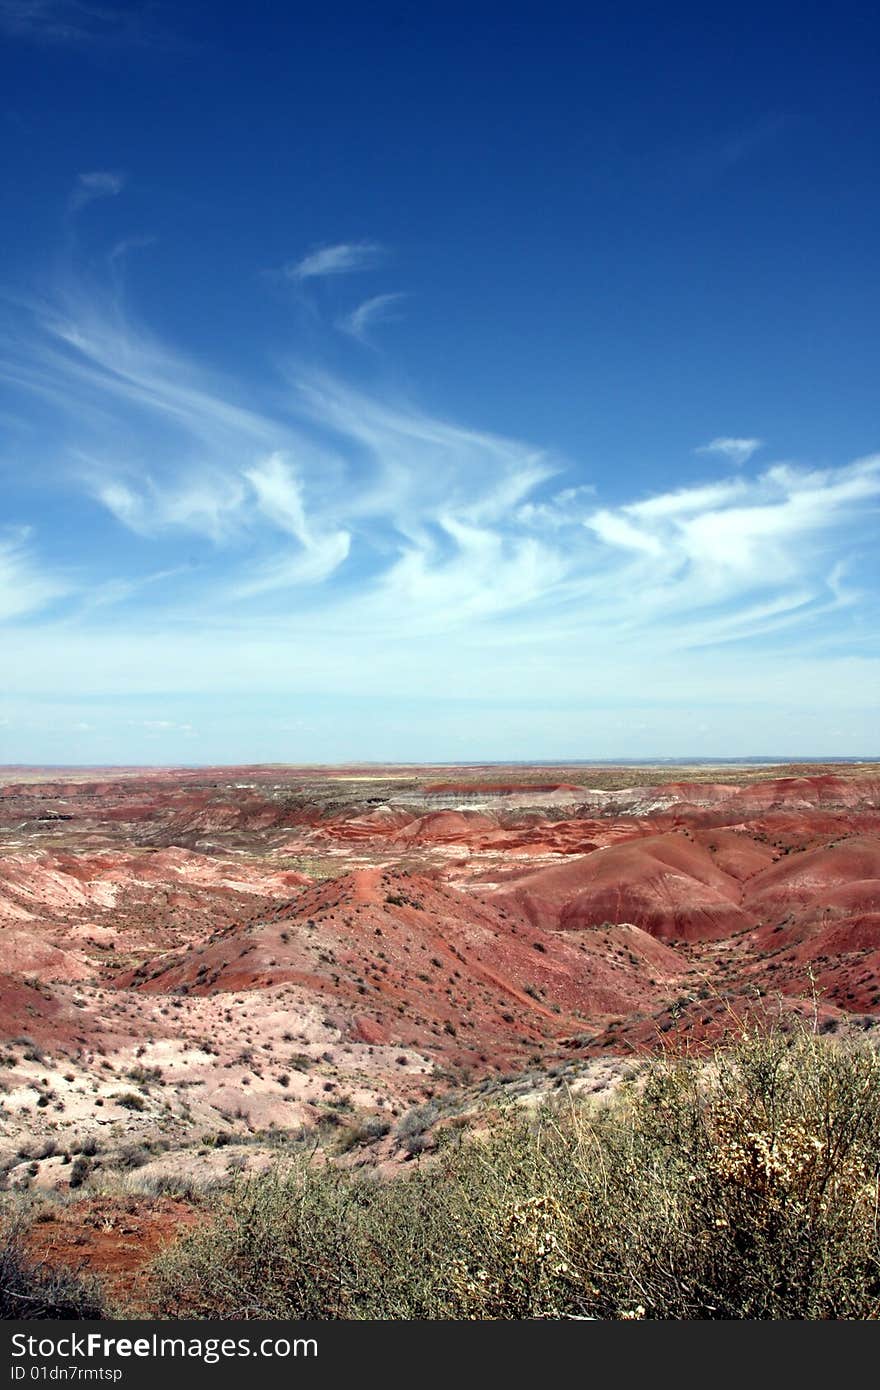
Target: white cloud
[[618, 530], [564, 508], [420, 467], [279, 495], [128, 244], [737, 451], [310, 566], [424, 524], [684, 501], [366, 315], [25, 586], [341, 259], [208, 505], [721, 543], [364, 547], [102, 183]]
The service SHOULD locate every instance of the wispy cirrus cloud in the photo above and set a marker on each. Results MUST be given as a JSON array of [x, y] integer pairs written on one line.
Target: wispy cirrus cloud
[[735, 450], [321, 548], [27, 584], [721, 543], [294, 532], [419, 522], [72, 22], [101, 183], [124, 247], [207, 504], [344, 258], [371, 312]]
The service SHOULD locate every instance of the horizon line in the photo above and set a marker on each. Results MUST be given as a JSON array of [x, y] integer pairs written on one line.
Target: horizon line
[[775, 759]]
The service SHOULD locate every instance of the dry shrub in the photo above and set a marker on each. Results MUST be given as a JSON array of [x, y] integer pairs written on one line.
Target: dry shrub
[[742, 1188], [30, 1289]]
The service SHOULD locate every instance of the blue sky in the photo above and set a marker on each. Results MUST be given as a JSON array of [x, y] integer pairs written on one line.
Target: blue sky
[[438, 382]]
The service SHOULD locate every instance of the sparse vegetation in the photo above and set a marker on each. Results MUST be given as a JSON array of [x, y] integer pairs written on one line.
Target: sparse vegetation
[[130, 1100], [460, 1042], [31, 1289], [742, 1188], [79, 1171]]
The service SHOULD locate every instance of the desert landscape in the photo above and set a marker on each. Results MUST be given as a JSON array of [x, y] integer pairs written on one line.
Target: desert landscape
[[206, 970], [439, 783]]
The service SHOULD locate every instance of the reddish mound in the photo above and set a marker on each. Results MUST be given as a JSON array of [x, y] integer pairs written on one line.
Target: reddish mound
[[770, 885], [154, 895], [447, 828], [30, 1010], [823, 791], [855, 934], [736, 854], [373, 825], [469, 974], [846, 873], [666, 884], [695, 1026], [27, 953]]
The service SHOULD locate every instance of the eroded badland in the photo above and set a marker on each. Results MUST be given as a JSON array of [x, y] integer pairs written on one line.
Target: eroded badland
[[199, 968]]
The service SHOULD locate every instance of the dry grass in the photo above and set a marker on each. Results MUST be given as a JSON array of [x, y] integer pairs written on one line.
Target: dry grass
[[747, 1188], [31, 1289]]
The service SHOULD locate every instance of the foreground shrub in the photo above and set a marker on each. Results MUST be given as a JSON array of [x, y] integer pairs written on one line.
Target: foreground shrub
[[742, 1188], [750, 1193], [29, 1289]]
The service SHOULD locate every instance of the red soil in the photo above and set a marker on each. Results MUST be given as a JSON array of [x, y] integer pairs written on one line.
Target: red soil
[[470, 975], [845, 872], [440, 939], [111, 1238], [31, 1010], [667, 884], [459, 940]]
